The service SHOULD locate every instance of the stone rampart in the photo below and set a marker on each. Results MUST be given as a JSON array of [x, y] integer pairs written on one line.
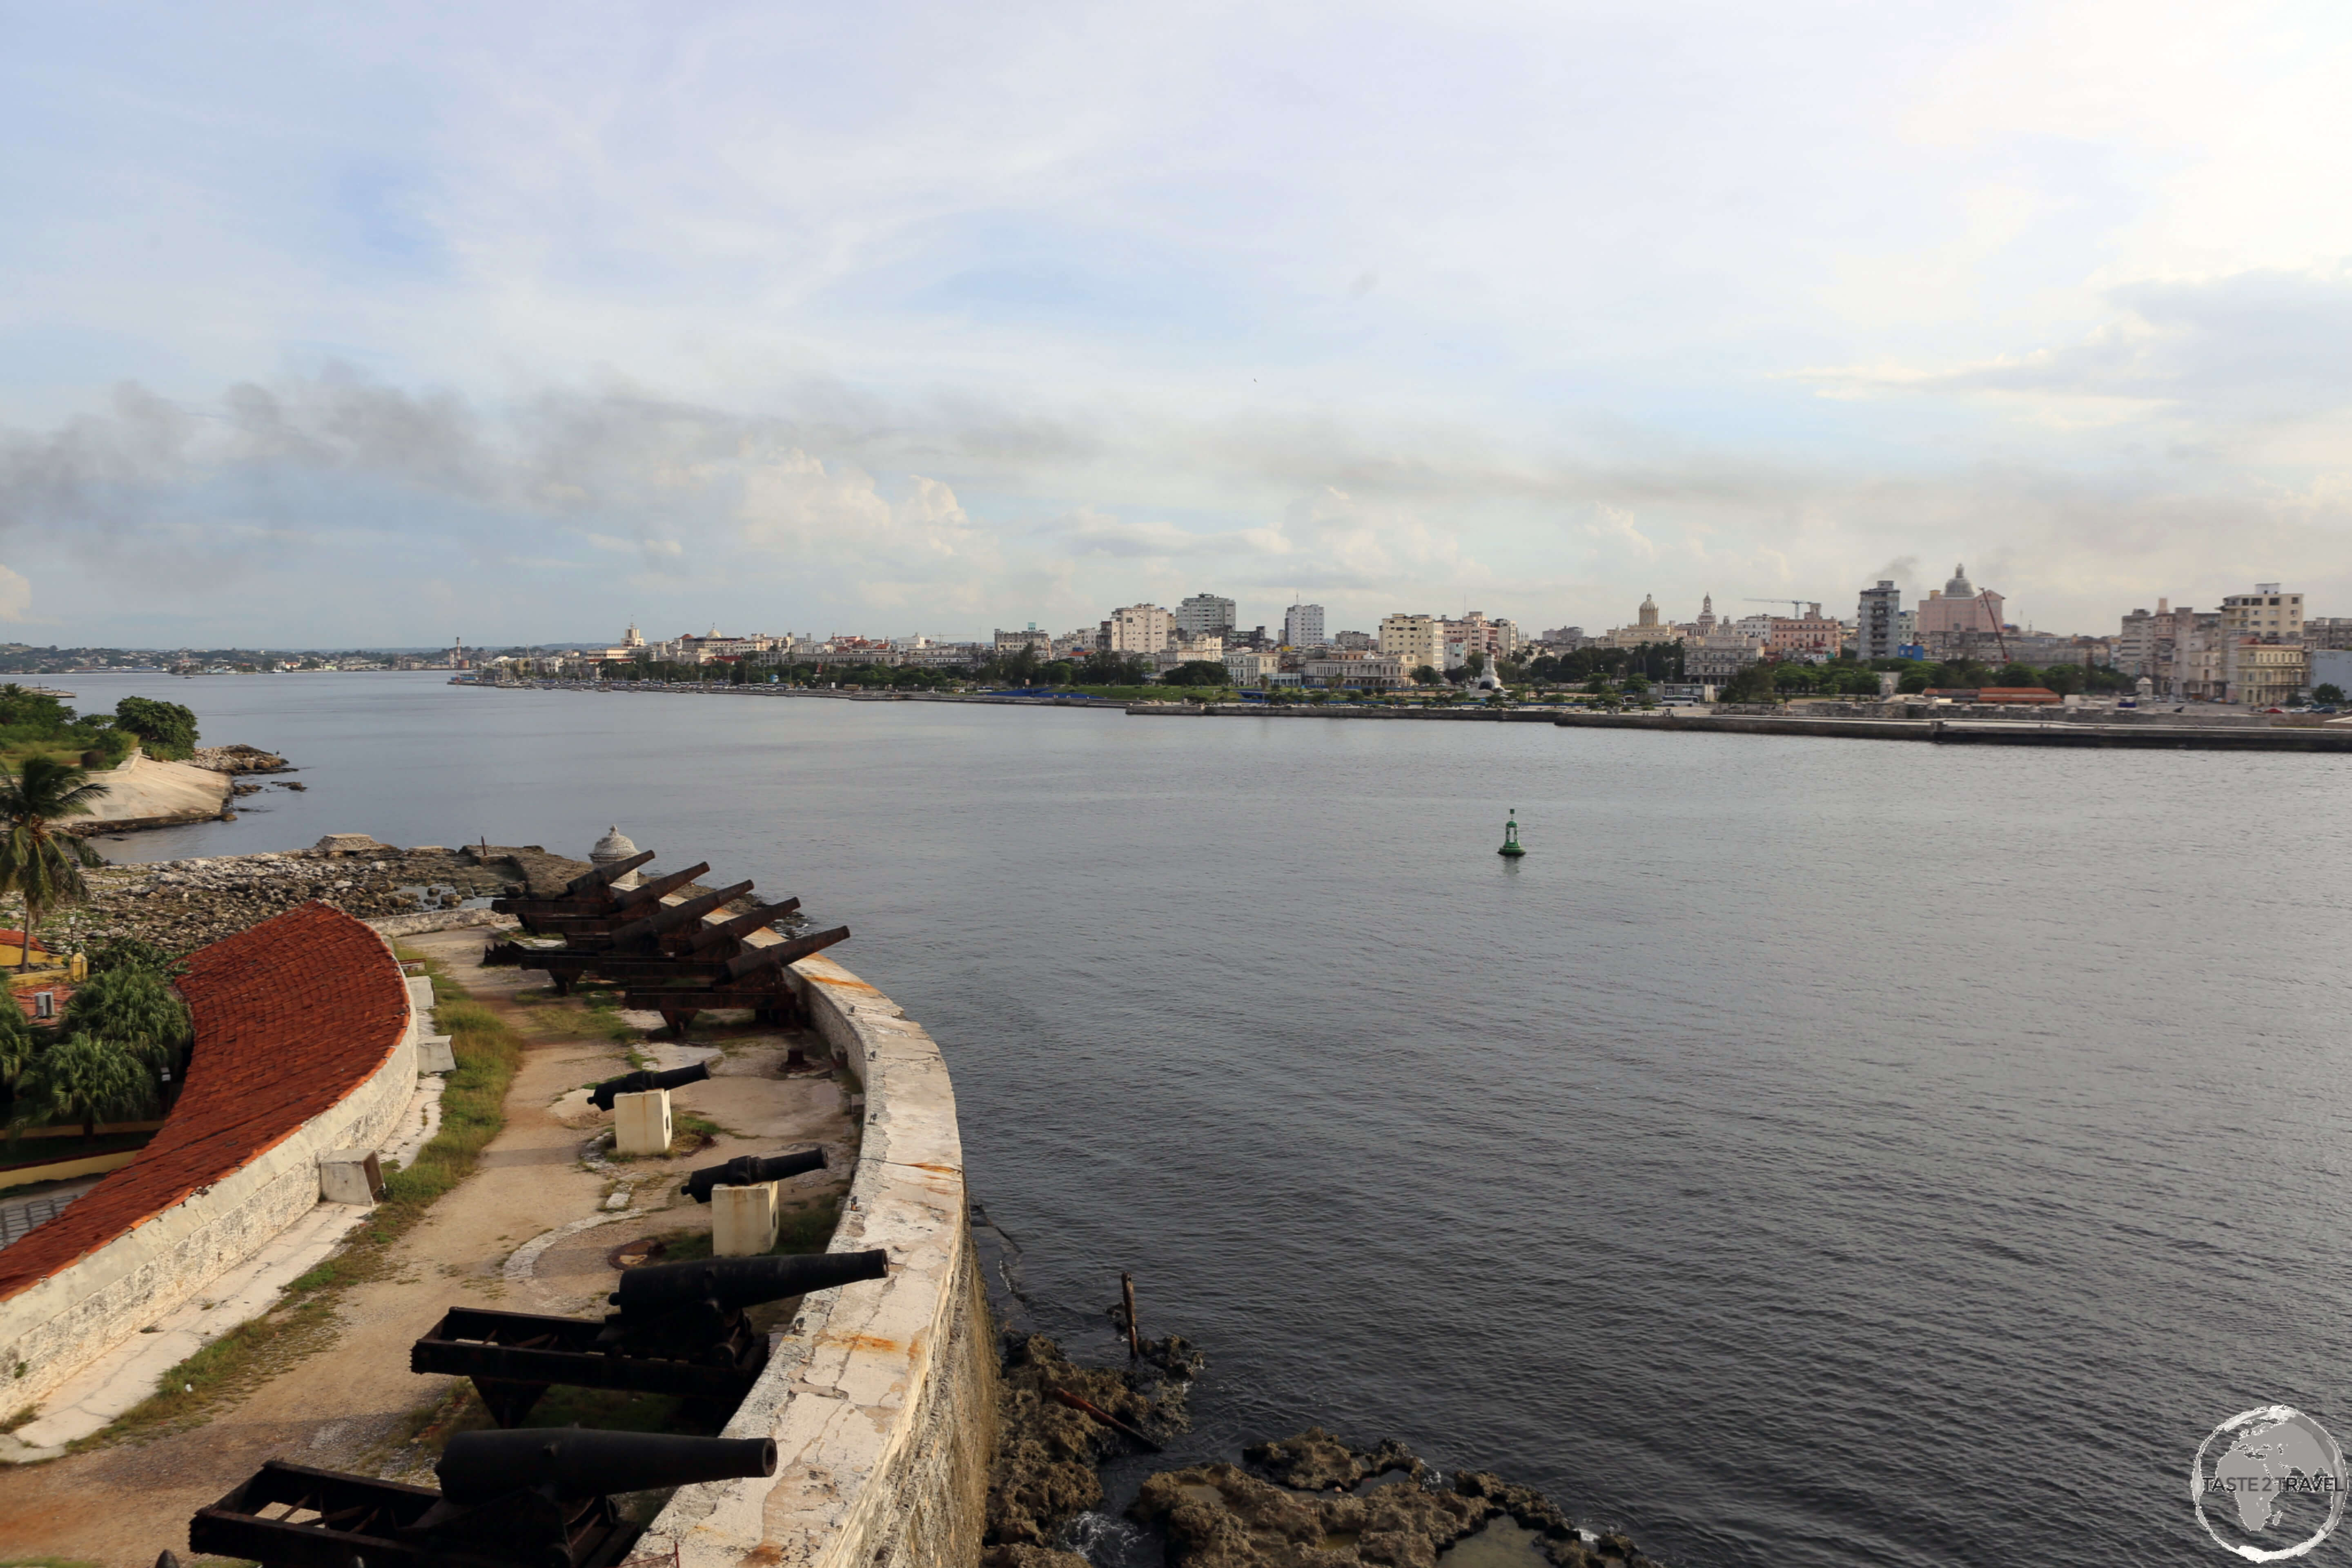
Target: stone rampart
[[306, 1044], [881, 1397]]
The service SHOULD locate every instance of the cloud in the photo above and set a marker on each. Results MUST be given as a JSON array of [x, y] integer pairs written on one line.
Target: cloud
[[2251, 347], [15, 596]]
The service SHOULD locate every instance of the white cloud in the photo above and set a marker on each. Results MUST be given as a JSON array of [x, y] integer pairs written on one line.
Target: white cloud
[[15, 596]]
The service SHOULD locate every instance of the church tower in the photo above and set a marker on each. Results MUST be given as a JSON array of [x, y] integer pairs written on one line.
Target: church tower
[[1649, 613]]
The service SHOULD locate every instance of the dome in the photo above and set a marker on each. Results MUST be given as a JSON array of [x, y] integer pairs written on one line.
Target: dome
[[1957, 587], [614, 845]]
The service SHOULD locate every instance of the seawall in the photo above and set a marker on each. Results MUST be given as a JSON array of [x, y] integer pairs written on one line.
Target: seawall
[[1985, 733], [881, 1398]]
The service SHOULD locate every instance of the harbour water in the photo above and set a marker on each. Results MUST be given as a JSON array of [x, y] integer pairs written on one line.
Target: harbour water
[[1812, 1151]]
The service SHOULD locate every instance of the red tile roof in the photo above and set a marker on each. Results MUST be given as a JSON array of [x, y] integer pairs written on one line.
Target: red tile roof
[[291, 1016]]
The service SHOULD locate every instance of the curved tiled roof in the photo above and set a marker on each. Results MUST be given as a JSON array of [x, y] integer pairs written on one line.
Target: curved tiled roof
[[291, 1016]]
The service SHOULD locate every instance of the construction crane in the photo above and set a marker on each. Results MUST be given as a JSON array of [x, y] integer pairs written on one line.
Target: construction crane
[[1993, 615], [1796, 607]]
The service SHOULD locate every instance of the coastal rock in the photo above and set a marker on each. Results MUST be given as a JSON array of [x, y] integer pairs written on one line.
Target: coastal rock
[[1315, 1461], [1221, 1516], [1046, 1452], [237, 760]]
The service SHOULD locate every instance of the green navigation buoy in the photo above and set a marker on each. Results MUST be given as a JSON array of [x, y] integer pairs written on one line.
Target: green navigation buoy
[[1511, 836]]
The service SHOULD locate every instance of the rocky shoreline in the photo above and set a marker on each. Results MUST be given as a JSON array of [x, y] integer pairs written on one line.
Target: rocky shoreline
[[184, 904], [1312, 1501]]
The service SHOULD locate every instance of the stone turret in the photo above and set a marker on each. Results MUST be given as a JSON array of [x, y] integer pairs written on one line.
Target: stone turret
[[615, 846]]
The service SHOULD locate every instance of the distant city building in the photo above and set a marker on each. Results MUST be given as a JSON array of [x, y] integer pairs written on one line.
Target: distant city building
[[1960, 622], [1724, 652], [1811, 635], [2330, 667], [1878, 622], [1566, 638], [2265, 613], [1356, 642], [1302, 626], [1203, 614], [1369, 672], [1137, 628], [1009, 643], [1473, 633], [2263, 674], [1417, 640], [1647, 627], [1249, 667], [2328, 632]]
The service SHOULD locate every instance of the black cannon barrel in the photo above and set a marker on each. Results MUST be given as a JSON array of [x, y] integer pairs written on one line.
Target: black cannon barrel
[[749, 1170], [589, 884], [742, 925], [647, 894], [791, 951], [738, 1282], [600, 1096], [669, 917], [571, 1462]]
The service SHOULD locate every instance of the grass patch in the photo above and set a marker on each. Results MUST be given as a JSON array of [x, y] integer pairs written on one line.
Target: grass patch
[[472, 1110], [46, 1562]]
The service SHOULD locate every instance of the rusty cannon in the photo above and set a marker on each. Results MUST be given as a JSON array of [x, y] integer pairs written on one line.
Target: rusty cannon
[[644, 1083], [508, 1499], [750, 1171], [682, 1330], [753, 978]]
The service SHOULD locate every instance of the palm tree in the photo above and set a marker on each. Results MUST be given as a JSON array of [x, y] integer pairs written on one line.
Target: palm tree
[[39, 859], [19, 1045], [132, 1008], [86, 1080]]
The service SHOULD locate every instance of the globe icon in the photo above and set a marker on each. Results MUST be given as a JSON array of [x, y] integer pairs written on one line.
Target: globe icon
[[2268, 1484]]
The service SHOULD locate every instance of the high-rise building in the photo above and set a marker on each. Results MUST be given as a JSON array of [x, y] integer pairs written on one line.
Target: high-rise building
[[1416, 640], [1878, 622], [1137, 628], [1203, 615], [1302, 626], [2265, 613]]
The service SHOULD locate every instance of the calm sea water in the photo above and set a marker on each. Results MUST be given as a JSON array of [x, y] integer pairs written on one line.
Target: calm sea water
[[1813, 1151]]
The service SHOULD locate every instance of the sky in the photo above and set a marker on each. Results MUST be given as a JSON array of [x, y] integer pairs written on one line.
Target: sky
[[349, 326]]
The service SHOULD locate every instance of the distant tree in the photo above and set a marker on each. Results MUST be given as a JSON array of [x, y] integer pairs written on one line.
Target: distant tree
[[2018, 675], [40, 862], [167, 729], [1060, 672], [1751, 683], [1195, 672], [134, 1009], [2062, 678], [19, 1043], [1426, 675], [112, 953], [2327, 691], [1113, 669], [86, 1080], [1637, 687], [1476, 662], [1913, 683]]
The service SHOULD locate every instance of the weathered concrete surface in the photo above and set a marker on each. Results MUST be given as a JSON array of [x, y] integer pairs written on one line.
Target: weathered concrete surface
[[144, 792], [880, 1396]]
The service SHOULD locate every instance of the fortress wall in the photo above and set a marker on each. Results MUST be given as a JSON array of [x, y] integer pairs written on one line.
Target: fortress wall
[[881, 1396]]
